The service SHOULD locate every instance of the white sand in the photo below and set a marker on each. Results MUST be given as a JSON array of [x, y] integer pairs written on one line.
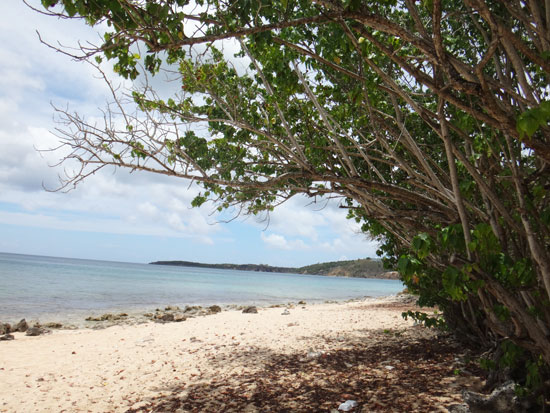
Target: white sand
[[116, 368]]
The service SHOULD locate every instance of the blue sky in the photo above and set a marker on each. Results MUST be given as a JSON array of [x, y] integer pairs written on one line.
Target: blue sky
[[115, 215]]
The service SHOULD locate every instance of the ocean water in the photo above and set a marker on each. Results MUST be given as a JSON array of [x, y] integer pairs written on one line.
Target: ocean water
[[51, 288]]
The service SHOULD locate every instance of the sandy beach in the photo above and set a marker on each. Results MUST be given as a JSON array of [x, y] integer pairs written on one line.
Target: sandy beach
[[312, 359]]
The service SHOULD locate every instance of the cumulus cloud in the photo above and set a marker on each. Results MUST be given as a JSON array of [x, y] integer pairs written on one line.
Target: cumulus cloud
[[280, 242], [31, 77], [116, 201], [322, 227], [295, 218]]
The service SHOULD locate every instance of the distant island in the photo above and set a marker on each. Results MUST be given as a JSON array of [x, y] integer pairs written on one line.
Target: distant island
[[362, 268]]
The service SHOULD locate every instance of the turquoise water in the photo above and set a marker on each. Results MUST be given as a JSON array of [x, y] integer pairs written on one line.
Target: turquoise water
[[62, 288]]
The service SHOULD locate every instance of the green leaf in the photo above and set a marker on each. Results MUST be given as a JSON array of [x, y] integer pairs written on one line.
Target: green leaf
[[403, 265], [69, 7]]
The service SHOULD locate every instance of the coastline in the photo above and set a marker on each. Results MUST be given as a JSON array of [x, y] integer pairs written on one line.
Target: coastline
[[90, 319], [362, 268], [49, 289], [229, 360]]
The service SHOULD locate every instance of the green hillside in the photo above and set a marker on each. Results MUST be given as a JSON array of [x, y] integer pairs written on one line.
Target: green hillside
[[362, 268]]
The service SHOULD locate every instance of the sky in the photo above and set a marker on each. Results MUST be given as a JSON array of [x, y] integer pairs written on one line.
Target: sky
[[116, 215]]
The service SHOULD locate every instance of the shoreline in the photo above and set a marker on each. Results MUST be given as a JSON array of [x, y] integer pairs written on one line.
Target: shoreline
[[308, 358], [72, 320], [66, 291]]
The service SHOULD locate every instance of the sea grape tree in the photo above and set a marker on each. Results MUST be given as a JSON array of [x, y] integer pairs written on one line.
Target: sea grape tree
[[428, 118]]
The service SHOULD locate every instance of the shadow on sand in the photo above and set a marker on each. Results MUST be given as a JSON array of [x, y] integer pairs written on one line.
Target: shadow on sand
[[407, 371]]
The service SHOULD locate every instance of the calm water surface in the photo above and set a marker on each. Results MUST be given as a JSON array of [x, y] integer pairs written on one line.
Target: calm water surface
[[51, 288]]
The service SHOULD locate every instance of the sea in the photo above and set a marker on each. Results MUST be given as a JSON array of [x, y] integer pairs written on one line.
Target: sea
[[66, 289]]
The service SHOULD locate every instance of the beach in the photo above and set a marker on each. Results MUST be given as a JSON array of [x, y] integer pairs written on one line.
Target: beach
[[304, 358]]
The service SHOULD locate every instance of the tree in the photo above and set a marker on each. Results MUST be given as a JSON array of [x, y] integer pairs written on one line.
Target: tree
[[428, 118]]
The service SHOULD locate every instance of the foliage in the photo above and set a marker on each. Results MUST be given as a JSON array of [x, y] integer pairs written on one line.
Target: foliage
[[428, 119], [365, 268], [429, 321]]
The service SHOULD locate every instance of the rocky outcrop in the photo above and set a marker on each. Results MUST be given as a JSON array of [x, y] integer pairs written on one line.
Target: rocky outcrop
[[108, 317], [502, 400], [53, 325], [174, 313], [250, 310], [5, 328], [390, 275], [193, 309], [21, 326], [164, 317], [214, 309], [178, 317], [37, 331]]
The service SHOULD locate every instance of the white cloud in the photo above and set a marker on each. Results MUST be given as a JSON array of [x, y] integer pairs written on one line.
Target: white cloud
[[280, 242], [275, 241], [294, 218], [322, 226], [80, 223], [119, 202], [148, 209]]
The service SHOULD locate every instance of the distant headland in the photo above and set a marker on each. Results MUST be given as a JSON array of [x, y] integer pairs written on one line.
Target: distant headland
[[362, 268]]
